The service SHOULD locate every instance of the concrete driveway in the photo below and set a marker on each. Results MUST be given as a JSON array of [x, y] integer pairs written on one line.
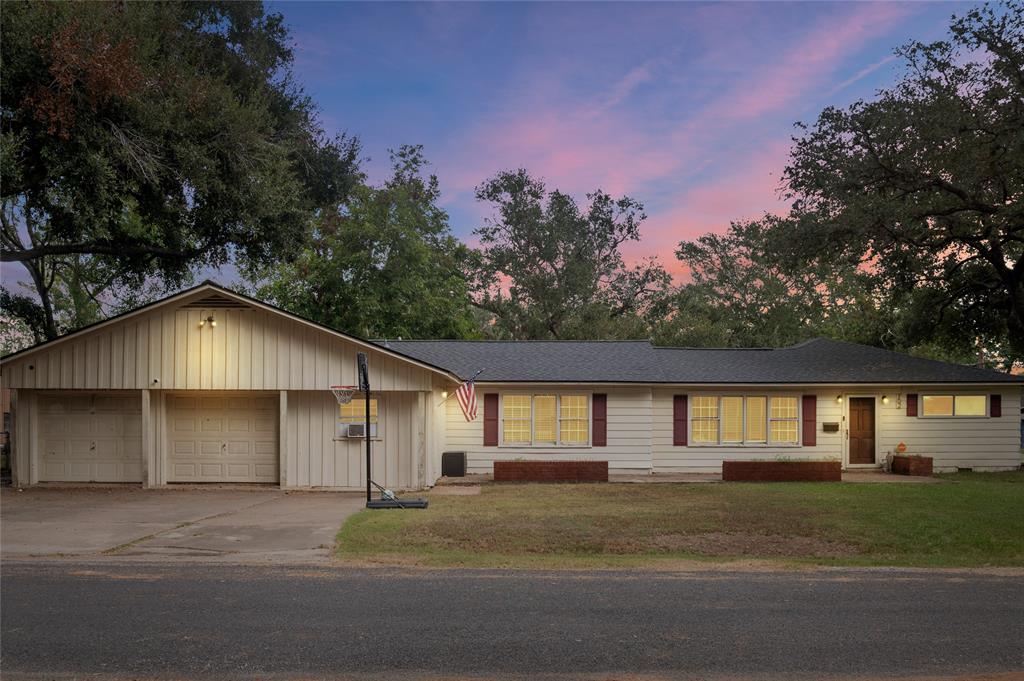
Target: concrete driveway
[[221, 525]]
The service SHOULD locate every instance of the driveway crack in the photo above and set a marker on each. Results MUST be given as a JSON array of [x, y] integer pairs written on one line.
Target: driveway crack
[[115, 550]]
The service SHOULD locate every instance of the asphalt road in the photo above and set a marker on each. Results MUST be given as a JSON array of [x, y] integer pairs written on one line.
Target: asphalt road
[[142, 620]]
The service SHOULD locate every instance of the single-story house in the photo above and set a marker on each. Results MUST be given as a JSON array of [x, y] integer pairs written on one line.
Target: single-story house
[[208, 385]]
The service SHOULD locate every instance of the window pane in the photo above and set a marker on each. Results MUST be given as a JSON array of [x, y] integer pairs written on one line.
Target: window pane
[[515, 411], [784, 432], [516, 406], [516, 431], [784, 408], [732, 419], [757, 419], [705, 407], [705, 431], [574, 406], [937, 405], [573, 431], [970, 405], [544, 419], [355, 411], [575, 417]]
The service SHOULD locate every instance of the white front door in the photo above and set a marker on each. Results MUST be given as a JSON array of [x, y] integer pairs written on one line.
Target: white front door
[[222, 438], [90, 437]]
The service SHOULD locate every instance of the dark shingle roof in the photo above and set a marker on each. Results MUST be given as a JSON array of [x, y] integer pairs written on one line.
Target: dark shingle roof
[[816, 361]]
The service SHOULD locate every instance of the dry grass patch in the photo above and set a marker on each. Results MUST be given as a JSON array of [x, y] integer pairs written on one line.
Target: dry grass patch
[[978, 520]]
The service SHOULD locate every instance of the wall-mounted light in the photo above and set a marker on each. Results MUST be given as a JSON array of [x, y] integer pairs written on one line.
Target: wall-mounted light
[[209, 320], [839, 399], [444, 394], [885, 399]]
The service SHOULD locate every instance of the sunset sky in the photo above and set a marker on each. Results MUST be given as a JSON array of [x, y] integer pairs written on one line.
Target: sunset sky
[[687, 107]]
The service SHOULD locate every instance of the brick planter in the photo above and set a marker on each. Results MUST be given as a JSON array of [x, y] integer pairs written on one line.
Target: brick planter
[[912, 465], [782, 471], [551, 471]]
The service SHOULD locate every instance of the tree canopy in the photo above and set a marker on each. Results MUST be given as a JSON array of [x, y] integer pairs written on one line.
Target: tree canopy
[[548, 269], [385, 266], [924, 183], [161, 137]]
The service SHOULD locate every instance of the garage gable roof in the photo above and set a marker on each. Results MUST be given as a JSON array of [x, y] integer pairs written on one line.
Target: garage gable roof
[[222, 297]]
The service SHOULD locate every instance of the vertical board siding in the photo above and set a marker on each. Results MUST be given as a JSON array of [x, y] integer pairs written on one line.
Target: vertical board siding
[[248, 349], [628, 433], [317, 459]]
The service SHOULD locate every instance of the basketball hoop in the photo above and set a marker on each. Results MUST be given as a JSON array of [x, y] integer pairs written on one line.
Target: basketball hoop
[[343, 393]]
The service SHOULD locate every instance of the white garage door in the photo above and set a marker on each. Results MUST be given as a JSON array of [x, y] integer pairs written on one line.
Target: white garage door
[[90, 437], [222, 438]]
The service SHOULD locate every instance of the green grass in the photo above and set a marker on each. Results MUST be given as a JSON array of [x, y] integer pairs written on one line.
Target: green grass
[[976, 519]]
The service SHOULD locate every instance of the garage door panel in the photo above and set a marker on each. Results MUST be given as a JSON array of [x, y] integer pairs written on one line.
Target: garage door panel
[[239, 448], [183, 470], [90, 438], [210, 448], [133, 426], [224, 439], [80, 449], [53, 425]]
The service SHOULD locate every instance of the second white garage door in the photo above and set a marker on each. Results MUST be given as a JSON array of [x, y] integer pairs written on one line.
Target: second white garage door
[[222, 438]]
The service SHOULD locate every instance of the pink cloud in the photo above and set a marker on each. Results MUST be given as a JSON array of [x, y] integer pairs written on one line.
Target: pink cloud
[[700, 174]]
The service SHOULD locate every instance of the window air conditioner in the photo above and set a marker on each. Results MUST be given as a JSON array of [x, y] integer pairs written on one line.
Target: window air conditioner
[[359, 430]]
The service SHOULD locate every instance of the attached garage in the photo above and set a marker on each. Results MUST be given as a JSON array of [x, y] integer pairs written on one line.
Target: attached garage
[[209, 386], [90, 437], [222, 438]]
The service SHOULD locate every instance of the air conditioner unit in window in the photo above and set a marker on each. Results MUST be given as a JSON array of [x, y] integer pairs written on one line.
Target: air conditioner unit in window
[[359, 430]]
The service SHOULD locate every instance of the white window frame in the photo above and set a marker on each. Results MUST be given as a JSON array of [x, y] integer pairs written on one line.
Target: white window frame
[[767, 423], [954, 415], [558, 420]]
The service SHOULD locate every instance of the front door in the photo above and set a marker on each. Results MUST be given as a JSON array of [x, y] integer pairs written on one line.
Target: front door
[[862, 430]]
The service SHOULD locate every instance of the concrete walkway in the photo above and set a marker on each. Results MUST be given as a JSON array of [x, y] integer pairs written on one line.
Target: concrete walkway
[[249, 525]]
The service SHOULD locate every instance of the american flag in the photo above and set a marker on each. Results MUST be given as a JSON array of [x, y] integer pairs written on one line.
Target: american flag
[[467, 399]]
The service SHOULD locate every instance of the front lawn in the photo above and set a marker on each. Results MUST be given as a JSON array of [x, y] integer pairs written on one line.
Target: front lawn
[[973, 520]]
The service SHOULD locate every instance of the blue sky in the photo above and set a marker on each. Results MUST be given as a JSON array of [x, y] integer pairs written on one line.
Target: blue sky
[[688, 107]]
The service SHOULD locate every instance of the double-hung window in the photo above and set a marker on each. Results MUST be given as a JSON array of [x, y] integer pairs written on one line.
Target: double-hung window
[[545, 420], [744, 420]]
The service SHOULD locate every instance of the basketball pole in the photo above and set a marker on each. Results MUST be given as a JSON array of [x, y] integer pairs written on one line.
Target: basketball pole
[[364, 386]]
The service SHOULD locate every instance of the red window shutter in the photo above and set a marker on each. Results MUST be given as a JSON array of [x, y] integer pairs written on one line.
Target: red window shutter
[[911, 405], [810, 414], [491, 420], [995, 406], [679, 416], [599, 427]]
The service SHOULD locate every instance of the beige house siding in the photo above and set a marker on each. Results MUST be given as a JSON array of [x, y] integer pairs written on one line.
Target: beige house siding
[[629, 431], [167, 349], [983, 443]]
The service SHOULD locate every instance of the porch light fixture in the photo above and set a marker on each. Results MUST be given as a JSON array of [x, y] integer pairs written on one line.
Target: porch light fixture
[[209, 320], [444, 394], [885, 399], [839, 399]]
